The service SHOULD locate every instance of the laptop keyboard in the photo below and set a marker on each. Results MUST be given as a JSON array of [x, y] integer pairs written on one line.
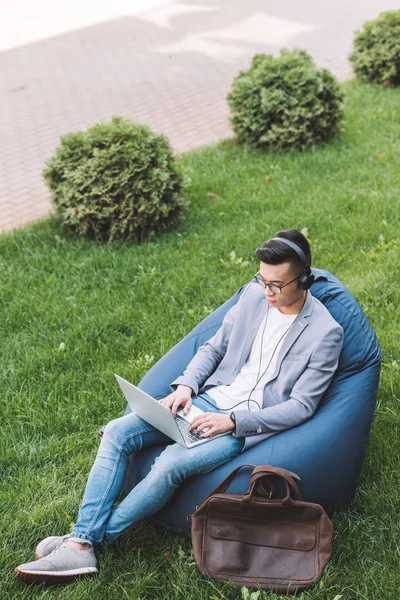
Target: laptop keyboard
[[188, 436]]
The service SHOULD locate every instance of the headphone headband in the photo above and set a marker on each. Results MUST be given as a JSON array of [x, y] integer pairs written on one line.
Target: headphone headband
[[306, 260]]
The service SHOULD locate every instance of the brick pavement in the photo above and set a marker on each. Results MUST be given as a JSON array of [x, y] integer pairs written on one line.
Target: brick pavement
[[169, 67]]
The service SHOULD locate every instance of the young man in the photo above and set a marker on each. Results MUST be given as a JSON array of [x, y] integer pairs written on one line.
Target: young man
[[264, 371]]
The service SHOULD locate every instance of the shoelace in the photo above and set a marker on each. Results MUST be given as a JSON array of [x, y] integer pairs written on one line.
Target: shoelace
[[61, 547]]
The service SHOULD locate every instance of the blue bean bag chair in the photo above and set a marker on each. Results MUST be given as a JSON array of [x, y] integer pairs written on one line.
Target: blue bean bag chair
[[327, 452]]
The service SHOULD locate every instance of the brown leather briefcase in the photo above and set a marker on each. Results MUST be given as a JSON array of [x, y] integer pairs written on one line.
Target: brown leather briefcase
[[258, 541]]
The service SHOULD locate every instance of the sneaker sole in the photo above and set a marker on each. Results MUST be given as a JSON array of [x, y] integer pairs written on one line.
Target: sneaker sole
[[57, 577]]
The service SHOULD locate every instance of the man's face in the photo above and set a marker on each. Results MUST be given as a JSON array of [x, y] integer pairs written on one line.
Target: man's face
[[292, 296]]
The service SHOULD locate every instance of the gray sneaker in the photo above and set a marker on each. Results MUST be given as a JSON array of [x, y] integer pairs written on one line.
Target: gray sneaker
[[49, 544], [63, 565]]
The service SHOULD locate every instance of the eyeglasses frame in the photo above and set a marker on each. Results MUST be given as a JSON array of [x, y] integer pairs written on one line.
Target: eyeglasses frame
[[266, 285]]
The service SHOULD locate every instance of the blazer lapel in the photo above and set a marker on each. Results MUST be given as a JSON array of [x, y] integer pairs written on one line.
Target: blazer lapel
[[298, 326]]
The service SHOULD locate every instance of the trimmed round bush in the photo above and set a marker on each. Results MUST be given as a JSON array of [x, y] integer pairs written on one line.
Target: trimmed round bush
[[285, 102], [115, 180], [376, 53]]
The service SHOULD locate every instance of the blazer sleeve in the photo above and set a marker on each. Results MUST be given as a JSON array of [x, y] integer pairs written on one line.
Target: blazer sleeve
[[305, 395], [208, 356]]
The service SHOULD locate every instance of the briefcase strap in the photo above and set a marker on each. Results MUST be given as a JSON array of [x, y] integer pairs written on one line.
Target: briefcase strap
[[223, 486]]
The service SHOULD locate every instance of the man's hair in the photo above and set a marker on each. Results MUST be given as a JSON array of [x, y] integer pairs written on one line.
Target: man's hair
[[274, 252]]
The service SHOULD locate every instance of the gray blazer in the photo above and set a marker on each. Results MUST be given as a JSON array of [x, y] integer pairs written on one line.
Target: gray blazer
[[305, 363]]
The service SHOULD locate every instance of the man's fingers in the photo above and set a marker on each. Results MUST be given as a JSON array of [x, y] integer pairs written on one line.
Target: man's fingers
[[194, 424], [168, 401], [211, 424], [173, 402], [209, 433], [177, 403], [205, 425]]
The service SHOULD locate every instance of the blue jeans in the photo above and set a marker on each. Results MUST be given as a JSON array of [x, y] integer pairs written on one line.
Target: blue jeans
[[123, 437]]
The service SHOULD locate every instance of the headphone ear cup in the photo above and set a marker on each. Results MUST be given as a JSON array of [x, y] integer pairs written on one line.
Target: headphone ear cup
[[306, 280], [302, 282]]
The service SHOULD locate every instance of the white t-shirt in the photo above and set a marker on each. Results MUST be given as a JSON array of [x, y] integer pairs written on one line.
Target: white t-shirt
[[275, 327]]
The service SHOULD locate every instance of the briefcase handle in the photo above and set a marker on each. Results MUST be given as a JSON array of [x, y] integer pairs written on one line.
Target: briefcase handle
[[292, 490], [257, 474]]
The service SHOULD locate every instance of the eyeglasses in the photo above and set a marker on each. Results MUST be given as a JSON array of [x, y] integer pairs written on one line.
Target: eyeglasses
[[275, 289]]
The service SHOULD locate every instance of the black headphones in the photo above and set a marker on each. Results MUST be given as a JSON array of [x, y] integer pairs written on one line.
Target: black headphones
[[305, 281]]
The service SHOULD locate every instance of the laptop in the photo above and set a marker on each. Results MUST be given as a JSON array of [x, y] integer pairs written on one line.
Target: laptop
[[150, 410]]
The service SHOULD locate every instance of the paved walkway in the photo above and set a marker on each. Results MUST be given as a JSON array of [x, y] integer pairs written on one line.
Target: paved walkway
[[169, 65]]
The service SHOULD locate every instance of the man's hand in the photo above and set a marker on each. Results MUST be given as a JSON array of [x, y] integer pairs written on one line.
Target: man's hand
[[182, 396], [214, 423]]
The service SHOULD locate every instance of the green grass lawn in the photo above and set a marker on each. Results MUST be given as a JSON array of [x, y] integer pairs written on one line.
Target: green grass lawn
[[72, 313]]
